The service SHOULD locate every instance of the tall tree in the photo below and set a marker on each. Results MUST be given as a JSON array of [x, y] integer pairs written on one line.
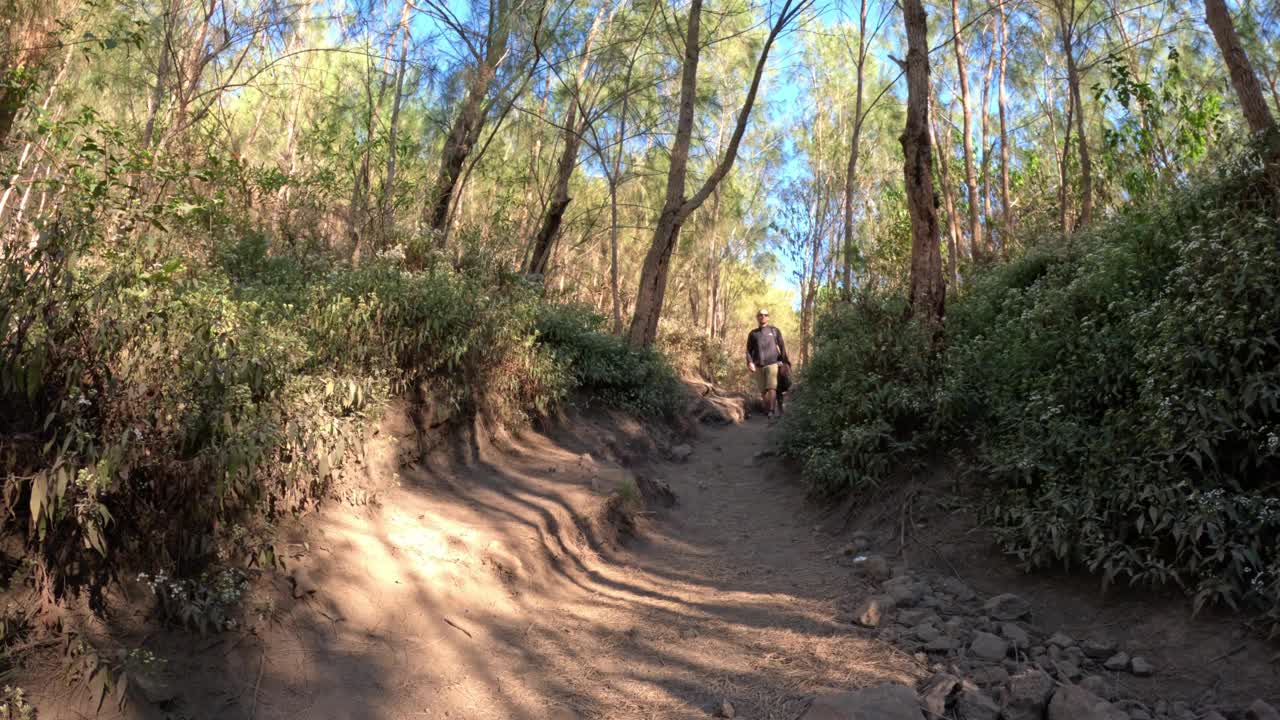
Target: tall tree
[[855, 146], [928, 289], [386, 199], [478, 79], [970, 174], [1243, 78], [1067, 29], [1006, 213], [575, 124], [941, 143], [676, 207]]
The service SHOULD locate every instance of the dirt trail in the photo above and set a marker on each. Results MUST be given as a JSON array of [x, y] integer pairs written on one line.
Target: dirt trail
[[484, 591], [493, 588]]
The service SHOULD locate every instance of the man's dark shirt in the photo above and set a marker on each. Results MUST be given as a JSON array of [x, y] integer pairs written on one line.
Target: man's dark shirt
[[765, 346]]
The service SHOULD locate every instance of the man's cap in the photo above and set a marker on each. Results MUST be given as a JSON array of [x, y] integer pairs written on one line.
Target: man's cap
[[762, 311]]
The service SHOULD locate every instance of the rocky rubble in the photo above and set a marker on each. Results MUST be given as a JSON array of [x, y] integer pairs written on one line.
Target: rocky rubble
[[989, 661]]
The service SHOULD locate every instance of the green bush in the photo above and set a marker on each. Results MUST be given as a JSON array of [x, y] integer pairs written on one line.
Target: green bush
[[170, 382], [1124, 398], [695, 355], [604, 367], [1117, 395], [864, 398]]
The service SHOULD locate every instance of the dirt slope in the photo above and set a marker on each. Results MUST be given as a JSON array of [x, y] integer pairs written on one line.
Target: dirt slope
[[499, 584]]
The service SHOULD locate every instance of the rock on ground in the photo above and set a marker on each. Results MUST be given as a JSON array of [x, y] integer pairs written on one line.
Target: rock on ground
[[872, 611], [1261, 711], [988, 646], [1027, 695], [1097, 685], [973, 704], [936, 693], [1061, 640], [1072, 702], [1007, 607], [1016, 635], [655, 491], [885, 702], [874, 567], [1141, 667], [1098, 649], [1117, 662]]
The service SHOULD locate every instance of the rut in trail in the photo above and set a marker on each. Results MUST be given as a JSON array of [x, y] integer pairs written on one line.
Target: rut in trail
[[505, 584], [492, 589]]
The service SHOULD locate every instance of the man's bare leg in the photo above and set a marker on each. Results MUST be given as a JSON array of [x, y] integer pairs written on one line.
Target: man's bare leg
[[769, 401]]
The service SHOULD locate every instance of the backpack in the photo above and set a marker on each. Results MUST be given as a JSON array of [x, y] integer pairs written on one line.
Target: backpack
[[784, 377]]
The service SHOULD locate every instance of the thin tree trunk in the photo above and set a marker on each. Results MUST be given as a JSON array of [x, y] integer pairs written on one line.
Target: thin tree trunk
[[653, 274], [948, 194], [1243, 79], [1066, 23], [189, 75], [535, 162], [615, 177], [970, 176], [290, 160], [1006, 225], [852, 170], [32, 148], [984, 128], [469, 123], [387, 198], [574, 126], [928, 290], [160, 90]]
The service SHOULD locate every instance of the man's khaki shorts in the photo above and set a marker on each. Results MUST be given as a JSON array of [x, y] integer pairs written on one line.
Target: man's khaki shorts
[[767, 377]]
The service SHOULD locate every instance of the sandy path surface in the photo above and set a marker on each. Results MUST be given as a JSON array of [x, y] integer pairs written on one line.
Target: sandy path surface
[[498, 586], [483, 592]]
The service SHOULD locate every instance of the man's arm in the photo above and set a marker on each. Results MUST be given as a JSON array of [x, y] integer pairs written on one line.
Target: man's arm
[[782, 348], [751, 350]]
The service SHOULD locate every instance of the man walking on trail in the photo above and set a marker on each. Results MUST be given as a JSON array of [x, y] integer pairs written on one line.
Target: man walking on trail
[[765, 350]]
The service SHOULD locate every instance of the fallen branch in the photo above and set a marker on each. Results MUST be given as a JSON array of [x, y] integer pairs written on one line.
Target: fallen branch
[[458, 627]]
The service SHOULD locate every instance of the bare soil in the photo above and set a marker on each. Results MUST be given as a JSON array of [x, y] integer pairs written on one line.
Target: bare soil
[[521, 580]]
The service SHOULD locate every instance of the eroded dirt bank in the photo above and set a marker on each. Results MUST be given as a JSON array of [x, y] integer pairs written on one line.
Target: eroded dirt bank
[[504, 582]]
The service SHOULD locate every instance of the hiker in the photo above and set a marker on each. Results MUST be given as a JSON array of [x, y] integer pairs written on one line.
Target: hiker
[[766, 353]]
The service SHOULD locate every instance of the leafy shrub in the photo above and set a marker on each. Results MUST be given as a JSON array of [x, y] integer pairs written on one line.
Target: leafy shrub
[[696, 355], [162, 399], [1117, 394], [1123, 396], [605, 367], [872, 370]]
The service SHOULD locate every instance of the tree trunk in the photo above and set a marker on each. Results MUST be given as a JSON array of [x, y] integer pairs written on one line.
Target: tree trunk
[[1006, 211], [948, 194], [27, 34], [928, 290], [160, 90], [469, 123], [554, 215], [1243, 79], [574, 126], [653, 274], [970, 177], [387, 198], [984, 129], [1066, 23], [854, 145]]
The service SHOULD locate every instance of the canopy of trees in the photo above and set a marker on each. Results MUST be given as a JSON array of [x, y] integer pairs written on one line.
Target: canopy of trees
[[653, 161]]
